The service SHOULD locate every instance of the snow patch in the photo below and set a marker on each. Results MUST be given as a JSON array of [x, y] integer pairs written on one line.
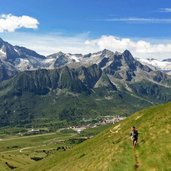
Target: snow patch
[[75, 58], [2, 52], [16, 51], [22, 64], [161, 65]]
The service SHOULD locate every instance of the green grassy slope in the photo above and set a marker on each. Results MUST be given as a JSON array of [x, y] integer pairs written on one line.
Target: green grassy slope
[[112, 150], [17, 152], [20, 152]]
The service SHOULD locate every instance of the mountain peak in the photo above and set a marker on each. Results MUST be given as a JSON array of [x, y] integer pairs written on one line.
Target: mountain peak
[[106, 50], [128, 56], [127, 53], [60, 52]]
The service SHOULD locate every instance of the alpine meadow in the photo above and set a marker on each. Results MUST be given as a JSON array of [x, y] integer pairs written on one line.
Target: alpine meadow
[[85, 85]]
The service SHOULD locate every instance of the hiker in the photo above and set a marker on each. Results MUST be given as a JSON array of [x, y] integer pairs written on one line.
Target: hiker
[[134, 136]]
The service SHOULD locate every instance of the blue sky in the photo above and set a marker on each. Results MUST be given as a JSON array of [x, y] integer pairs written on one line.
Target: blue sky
[[80, 23]]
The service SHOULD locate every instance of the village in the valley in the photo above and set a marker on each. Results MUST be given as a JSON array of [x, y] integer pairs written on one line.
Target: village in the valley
[[104, 121]]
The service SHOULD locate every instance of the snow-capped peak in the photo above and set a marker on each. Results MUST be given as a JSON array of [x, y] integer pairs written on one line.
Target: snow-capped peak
[[157, 64]]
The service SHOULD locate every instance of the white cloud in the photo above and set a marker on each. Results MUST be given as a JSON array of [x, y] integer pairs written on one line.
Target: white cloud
[[10, 23], [140, 20], [139, 48], [51, 43], [165, 9]]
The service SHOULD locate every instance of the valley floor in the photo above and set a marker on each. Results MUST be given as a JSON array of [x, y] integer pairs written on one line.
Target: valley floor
[[21, 152]]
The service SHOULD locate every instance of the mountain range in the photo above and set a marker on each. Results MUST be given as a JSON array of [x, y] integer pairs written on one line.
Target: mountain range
[[21, 58], [64, 88]]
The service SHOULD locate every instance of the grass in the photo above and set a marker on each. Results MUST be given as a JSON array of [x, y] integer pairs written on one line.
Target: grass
[[25, 141], [94, 131], [20, 152], [111, 150]]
